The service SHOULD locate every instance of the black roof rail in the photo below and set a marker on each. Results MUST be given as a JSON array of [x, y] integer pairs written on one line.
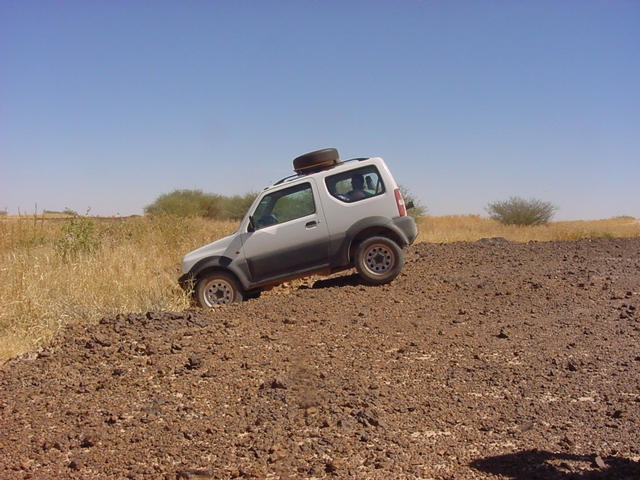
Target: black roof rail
[[290, 177]]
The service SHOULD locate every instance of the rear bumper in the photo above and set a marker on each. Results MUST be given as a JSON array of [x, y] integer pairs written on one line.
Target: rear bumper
[[407, 225]]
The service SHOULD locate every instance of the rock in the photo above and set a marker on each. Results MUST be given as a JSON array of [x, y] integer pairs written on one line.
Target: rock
[[278, 383], [102, 340], [366, 418], [331, 466], [88, 440], [194, 473], [194, 362]]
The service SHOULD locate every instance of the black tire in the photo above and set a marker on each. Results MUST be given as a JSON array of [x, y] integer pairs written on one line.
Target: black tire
[[316, 160], [218, 288], [378, 260]]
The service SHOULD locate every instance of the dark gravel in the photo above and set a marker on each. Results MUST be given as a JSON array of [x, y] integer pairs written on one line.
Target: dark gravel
[[482, 360]]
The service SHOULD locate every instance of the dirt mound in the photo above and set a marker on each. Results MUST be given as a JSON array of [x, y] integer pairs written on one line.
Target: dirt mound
[[485, 359]]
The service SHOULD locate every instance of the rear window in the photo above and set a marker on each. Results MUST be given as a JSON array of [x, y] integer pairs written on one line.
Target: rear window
[[355, 185]]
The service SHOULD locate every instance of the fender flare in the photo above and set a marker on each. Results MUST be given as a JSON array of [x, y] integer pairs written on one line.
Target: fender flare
[[217, 262], [366, 227]]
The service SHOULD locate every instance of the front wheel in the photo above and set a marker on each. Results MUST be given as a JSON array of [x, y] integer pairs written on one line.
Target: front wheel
[[218, 288], [378, 260]]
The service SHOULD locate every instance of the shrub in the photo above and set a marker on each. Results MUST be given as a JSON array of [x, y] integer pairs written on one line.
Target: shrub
[[195, 203], [518, 211], [186, 203], [234, 208], [418, 210], [78, 236], [66, 211]]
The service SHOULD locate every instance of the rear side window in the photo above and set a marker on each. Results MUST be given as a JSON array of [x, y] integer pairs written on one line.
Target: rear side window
[[355, 185], [285, 205]]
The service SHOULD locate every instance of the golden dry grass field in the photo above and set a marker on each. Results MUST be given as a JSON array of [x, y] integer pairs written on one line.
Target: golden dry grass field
[[54, 271]]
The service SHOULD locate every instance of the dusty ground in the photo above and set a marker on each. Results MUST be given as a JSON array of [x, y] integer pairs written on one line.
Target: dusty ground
[[483, 360]]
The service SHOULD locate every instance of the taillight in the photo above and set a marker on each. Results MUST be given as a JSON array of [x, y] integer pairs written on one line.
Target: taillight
[[400, 202]]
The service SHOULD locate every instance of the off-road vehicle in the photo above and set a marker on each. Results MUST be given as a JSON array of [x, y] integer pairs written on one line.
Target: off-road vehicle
[[330, 216]]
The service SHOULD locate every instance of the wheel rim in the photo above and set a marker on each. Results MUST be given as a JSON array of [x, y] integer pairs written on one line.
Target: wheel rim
[[218, 292], [379, 259]]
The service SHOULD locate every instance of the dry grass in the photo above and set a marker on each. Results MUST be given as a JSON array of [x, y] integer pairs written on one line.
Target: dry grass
[[469, 228], [132, 267], [57, 271]]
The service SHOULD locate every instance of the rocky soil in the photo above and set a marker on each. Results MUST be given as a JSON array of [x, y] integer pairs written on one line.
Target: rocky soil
[[482, 360]]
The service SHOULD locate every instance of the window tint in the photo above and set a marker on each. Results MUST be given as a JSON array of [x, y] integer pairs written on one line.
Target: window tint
[[285, 205], [355, 185]]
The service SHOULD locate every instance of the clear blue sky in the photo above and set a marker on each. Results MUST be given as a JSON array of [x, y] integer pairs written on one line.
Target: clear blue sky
[[108, 104]]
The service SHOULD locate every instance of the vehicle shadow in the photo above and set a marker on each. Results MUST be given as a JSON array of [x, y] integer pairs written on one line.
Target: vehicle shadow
[[342, 281], [542, 465]]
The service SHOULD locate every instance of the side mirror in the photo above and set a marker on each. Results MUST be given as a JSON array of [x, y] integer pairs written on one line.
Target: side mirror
[[410, 205], [252, 225]]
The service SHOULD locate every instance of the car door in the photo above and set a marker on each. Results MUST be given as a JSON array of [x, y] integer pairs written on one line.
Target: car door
[[290, 235]]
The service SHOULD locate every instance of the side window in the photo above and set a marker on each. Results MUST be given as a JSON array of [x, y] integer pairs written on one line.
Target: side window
[[355, 185], [285, 205]]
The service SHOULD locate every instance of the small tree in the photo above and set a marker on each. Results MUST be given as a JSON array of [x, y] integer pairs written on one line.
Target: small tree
[[418, 210], [518, 211]]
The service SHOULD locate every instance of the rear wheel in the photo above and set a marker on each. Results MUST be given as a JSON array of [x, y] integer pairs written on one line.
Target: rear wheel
[[218, 288], [378, 260]]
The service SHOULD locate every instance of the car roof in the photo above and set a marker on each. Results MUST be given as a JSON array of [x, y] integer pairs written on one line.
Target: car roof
[[337, 168]]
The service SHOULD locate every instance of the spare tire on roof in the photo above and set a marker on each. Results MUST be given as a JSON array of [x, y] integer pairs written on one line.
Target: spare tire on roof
[[315, 161]]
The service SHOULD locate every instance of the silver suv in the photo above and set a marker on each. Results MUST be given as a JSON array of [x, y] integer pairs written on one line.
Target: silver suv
[[330, 216]]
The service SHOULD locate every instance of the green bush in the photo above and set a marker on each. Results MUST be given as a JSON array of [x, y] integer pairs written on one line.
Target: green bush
[[518, 211], [78, 236], [234, 208], [186, 203], [195, 203]]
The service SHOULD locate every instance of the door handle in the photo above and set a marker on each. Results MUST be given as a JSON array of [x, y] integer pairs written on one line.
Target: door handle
[[311, 224]]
